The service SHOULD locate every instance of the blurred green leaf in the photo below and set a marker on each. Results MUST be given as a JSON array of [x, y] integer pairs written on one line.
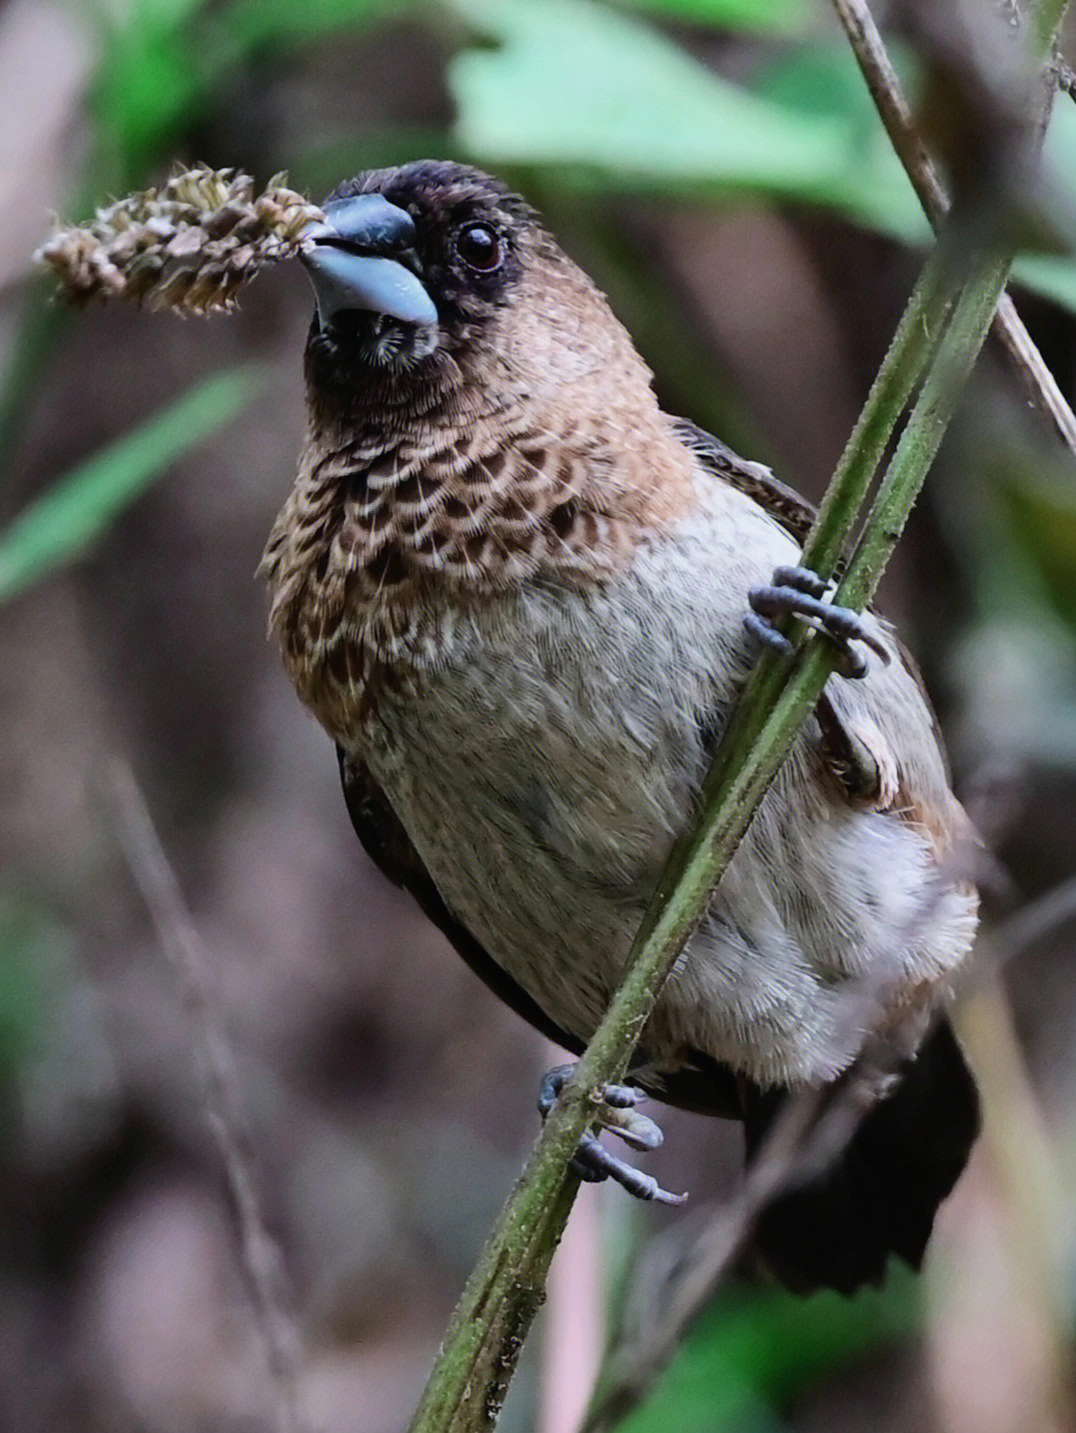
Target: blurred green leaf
[[577, 84], [163, 61], [871, 188], [78, 509], [1040, 516], [153, 74], [754, 1349], [31, 939], [781, 17], [825, 80], [1054, 278], [593, 94], [1047, 274]]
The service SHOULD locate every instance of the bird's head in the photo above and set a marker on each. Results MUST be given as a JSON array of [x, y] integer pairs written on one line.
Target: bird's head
[[436, 275]]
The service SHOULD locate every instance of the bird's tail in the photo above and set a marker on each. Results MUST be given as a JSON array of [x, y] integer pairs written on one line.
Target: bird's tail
[[878, 1195]]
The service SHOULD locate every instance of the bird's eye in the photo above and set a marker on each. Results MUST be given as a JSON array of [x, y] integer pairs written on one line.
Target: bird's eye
[[480, 248]]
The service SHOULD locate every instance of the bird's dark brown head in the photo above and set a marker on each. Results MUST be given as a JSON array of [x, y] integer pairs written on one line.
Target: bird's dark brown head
[[436, 275]]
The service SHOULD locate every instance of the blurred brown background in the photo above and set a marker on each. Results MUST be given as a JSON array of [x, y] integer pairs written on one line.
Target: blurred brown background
[[389, 1098]]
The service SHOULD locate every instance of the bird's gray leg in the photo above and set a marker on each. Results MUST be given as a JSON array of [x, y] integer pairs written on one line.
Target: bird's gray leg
[[615, 1110], [799, 592]]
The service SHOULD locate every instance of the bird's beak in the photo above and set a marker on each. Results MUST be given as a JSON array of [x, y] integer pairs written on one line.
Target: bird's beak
[[351, 265]]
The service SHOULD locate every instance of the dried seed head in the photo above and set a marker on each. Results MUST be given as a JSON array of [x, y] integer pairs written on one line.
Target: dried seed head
[[188, 246]]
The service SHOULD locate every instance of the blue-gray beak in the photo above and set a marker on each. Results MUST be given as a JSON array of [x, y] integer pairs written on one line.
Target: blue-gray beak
[[351, 264]]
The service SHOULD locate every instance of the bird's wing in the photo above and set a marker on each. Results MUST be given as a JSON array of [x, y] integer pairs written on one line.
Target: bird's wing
[[855, 766], [784, 504], [390, 848], [701, 1085]]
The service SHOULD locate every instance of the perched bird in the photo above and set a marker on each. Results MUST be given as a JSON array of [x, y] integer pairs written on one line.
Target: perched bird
[[513, 591]]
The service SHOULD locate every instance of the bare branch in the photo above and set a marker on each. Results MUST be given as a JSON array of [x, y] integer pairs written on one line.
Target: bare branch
[[260, 1256], [870, 52]]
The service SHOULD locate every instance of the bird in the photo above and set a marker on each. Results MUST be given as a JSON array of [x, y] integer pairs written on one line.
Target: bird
[[522, 599]]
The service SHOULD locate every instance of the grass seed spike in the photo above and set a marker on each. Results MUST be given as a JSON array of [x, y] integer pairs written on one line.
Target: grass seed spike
[[189, 245]]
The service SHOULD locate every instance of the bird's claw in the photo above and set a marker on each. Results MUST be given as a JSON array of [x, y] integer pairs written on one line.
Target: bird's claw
[[616, 1109], [799, 592]]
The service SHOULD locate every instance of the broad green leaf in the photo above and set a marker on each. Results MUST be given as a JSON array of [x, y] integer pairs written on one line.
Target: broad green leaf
[[578, 84], [875, 191], [66, 519], [591, 93]]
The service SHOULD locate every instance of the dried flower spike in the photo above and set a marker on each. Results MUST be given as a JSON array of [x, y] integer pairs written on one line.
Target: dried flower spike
[[188, 246]]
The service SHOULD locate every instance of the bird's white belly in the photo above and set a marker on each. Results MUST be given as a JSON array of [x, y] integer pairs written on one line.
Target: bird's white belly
[[543, 770]]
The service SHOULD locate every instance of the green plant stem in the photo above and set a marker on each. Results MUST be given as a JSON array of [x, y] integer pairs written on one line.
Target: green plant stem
[[945, 325], [926, 427], [907, 356]]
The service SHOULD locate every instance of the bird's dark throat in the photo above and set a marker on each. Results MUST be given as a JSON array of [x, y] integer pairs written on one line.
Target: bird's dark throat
[[368, 370]]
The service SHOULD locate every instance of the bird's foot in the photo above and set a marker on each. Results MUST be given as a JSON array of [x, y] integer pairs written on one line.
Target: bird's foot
[[799, 592], [616, 1109]]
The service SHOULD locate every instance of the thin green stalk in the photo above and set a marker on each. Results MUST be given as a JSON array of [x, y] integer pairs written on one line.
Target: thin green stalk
[[945, 325], [926, 428]]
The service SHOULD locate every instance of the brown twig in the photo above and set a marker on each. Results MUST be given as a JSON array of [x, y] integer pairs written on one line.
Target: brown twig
[[260, 1256], [885, 88]]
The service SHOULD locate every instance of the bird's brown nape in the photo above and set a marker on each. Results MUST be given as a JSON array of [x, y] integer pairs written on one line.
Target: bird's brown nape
[[522, 444]]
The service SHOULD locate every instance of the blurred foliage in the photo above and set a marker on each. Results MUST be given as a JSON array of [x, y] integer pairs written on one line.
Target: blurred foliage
[[1039, 514], [162, 62], [30, 937], [574, 84], [80, 507], [154, 72], [778, 17], [753, 1350]]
